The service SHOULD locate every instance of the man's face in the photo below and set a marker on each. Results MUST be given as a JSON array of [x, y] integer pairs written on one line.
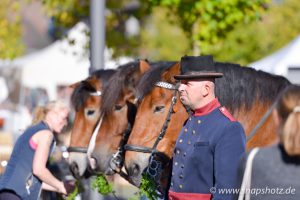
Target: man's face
[[192, 92]]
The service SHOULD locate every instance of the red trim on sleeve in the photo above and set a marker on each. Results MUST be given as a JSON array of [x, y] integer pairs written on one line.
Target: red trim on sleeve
[[188, 196], [32, 144], [227, 114]]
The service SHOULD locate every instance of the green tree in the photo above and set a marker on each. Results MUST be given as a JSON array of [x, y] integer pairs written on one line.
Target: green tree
[[247, 43], [203, 21], [68, 13], [11, 44], [207, 21], [161, 40]]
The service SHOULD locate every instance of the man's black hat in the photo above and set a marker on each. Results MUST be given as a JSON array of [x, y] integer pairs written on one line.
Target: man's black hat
[[195, 67]]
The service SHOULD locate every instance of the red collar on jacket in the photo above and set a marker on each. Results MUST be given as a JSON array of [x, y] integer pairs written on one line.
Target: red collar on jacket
[[207, 108]]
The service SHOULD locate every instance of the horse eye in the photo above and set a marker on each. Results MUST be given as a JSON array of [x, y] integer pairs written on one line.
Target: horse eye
[[118, 107], [159, 109], [90, 112]]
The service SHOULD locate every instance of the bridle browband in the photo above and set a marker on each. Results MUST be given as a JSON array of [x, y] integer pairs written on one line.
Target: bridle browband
[[83, 149]]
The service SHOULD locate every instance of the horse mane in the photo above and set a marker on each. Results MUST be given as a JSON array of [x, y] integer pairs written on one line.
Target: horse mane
[[242, 86], [114, 88], [83, 90], [152, 76]]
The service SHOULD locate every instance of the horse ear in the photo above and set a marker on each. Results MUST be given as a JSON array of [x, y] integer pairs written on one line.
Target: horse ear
[[169, 74], [144, 66], [130, 97], [74, 85]]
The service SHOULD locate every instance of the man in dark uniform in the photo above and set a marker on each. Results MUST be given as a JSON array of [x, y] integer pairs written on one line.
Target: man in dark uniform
[[210, 144]]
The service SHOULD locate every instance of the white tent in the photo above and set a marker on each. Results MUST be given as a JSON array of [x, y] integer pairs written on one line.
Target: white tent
[[61, 63], [58, 64], [285, 62]]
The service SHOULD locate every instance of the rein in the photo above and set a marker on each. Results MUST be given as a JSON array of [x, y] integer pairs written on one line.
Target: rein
[[83, 149], [261, 122]]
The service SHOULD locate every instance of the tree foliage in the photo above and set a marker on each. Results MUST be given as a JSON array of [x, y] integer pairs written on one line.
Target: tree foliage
[[11, 44], [68, 13], [204, 21], [161, 40], [247, 43]]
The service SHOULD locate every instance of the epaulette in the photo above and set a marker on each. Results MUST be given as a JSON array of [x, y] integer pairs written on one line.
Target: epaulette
[[227, 114]]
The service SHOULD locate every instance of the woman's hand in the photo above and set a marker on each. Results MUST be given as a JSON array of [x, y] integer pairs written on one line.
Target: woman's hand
[[69, 186], [62, 189]]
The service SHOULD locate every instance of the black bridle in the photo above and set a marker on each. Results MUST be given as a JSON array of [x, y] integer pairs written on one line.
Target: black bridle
[[117, 160], [83, 149], [162, 133], [157, 159]]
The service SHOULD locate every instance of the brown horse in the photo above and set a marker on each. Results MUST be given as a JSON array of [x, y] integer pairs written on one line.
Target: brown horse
[[248, 94], [86, 100], [118, 117]]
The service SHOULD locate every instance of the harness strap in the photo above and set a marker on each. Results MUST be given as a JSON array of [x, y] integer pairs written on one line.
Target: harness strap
[[261, 122], [77, 149], [166, 124], [97, 93], [136, 148]]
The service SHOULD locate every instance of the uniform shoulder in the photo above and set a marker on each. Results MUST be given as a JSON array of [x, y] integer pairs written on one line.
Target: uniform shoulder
[[227, 114]]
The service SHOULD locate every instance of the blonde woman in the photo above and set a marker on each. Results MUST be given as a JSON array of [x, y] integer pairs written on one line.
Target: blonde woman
[[26, 173], [275, 172]]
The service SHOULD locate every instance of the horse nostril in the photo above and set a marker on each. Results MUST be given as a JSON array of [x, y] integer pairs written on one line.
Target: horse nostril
[[135, 170], [74, 169]]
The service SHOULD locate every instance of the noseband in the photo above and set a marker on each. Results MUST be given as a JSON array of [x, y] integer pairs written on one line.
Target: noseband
[[83, 149]]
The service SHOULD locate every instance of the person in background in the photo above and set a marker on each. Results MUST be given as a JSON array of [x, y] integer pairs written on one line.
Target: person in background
[[275, 170], [211, 143], [26, 173]]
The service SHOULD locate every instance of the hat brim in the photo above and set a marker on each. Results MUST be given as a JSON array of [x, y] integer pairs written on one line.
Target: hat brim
[[198, 76]]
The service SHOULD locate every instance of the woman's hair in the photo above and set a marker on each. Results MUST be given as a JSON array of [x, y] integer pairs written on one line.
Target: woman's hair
[[40, 112], [289, 112]]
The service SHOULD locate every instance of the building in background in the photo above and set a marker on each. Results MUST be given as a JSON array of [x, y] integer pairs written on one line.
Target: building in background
[[285, 62]]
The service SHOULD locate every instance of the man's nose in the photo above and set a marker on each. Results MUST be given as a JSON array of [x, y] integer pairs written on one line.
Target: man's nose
[[181, 88]]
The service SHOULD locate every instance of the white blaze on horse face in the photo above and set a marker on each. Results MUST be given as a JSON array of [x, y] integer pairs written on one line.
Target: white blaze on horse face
[[93, 139]]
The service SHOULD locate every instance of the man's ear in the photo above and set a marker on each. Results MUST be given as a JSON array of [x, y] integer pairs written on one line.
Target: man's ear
[[205, 88]]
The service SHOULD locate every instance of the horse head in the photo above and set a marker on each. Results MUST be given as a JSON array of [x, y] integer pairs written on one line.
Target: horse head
[[118, 113], [158, 119], [86, 100]]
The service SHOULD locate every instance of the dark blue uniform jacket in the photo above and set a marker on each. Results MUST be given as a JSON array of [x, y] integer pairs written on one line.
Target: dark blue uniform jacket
[[207, 155]]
